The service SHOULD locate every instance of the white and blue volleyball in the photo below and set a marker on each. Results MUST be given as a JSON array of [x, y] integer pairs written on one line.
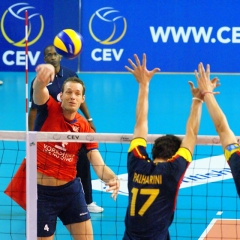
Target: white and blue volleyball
[[68, 43]]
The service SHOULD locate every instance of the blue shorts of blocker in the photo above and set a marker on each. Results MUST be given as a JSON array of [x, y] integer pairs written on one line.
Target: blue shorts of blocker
[[66, 202]]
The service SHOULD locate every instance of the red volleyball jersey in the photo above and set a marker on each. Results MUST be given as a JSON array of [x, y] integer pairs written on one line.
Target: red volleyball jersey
[[59, 159]]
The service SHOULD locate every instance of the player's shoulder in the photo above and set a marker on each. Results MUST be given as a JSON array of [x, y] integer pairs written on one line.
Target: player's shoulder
[[231, 149], [137, 142], [68, 71], [183, 153]]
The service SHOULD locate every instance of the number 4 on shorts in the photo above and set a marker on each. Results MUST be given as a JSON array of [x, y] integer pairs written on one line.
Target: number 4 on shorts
[[46, 228]]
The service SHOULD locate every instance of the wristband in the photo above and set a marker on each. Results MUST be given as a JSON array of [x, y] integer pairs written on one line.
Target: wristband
[[90, 119], [206, 92], [195, 98]]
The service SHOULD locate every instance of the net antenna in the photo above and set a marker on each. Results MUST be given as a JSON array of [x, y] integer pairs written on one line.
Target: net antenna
[[31, 156], [26, 65]]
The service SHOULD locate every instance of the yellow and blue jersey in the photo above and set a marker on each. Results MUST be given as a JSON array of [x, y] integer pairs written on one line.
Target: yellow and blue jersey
[[232, 155], [153, 189]]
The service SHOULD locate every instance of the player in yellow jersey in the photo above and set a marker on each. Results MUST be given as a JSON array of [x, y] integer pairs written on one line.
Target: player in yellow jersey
[[153, 184]]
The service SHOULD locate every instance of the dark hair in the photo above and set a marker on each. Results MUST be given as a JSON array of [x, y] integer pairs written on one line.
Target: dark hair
[[76, 80], [166, 146], [45, 49]]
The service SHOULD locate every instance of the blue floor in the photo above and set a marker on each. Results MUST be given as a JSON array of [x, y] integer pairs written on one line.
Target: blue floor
[[111, 99]]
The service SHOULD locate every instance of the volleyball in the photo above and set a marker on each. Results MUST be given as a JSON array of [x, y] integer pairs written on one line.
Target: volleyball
[[68, 43]]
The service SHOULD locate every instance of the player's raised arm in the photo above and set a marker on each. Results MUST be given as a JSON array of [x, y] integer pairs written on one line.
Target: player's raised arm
[[45, 74], [227, 137], [143, 77], [192, 127], [219, 119]]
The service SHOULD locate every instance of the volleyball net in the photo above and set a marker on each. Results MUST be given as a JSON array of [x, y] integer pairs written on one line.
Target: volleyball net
[[207, 206]]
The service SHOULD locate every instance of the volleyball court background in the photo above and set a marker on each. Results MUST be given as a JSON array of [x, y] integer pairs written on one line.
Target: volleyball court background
[[111, 99]]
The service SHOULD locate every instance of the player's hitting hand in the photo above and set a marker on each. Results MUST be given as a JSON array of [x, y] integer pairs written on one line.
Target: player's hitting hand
[[203, 80], [113, 185], [45, 73], [140, 72]]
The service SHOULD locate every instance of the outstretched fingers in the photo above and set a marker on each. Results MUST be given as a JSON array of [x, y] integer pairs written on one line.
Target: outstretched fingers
[[195, 91], [191, 85], [202, 73], [203, 79], [155, 70], [144, 60], [137, 60], [129, 69], [208, 70], [132, 64], [113, 185], [138, 63], [215, 82], [201, 69], [139, 70], [114, 195], [196, 75]]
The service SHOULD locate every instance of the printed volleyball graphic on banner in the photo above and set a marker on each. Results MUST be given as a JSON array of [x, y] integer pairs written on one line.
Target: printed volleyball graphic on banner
[[68, 43], [13, 17], [113, 26]]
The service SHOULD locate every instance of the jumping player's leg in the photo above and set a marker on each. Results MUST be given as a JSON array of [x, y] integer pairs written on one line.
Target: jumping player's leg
[[81, 231], [46, 213], [75, 216], [66, 202]]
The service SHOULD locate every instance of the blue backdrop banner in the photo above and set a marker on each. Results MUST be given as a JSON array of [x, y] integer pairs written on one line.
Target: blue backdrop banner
[[175, 35]]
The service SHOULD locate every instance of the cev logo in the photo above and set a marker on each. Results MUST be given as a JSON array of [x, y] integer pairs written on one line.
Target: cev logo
[[17, 12], [104, 14], [10, 10], [117, 26]]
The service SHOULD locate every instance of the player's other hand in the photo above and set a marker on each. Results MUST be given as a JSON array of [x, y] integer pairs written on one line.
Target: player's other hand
[[113, 185], [203, 79]]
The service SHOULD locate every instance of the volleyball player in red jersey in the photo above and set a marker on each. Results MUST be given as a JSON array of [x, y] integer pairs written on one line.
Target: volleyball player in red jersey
[[54, 88], [228, 140], [60, 193], [153, 185]]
